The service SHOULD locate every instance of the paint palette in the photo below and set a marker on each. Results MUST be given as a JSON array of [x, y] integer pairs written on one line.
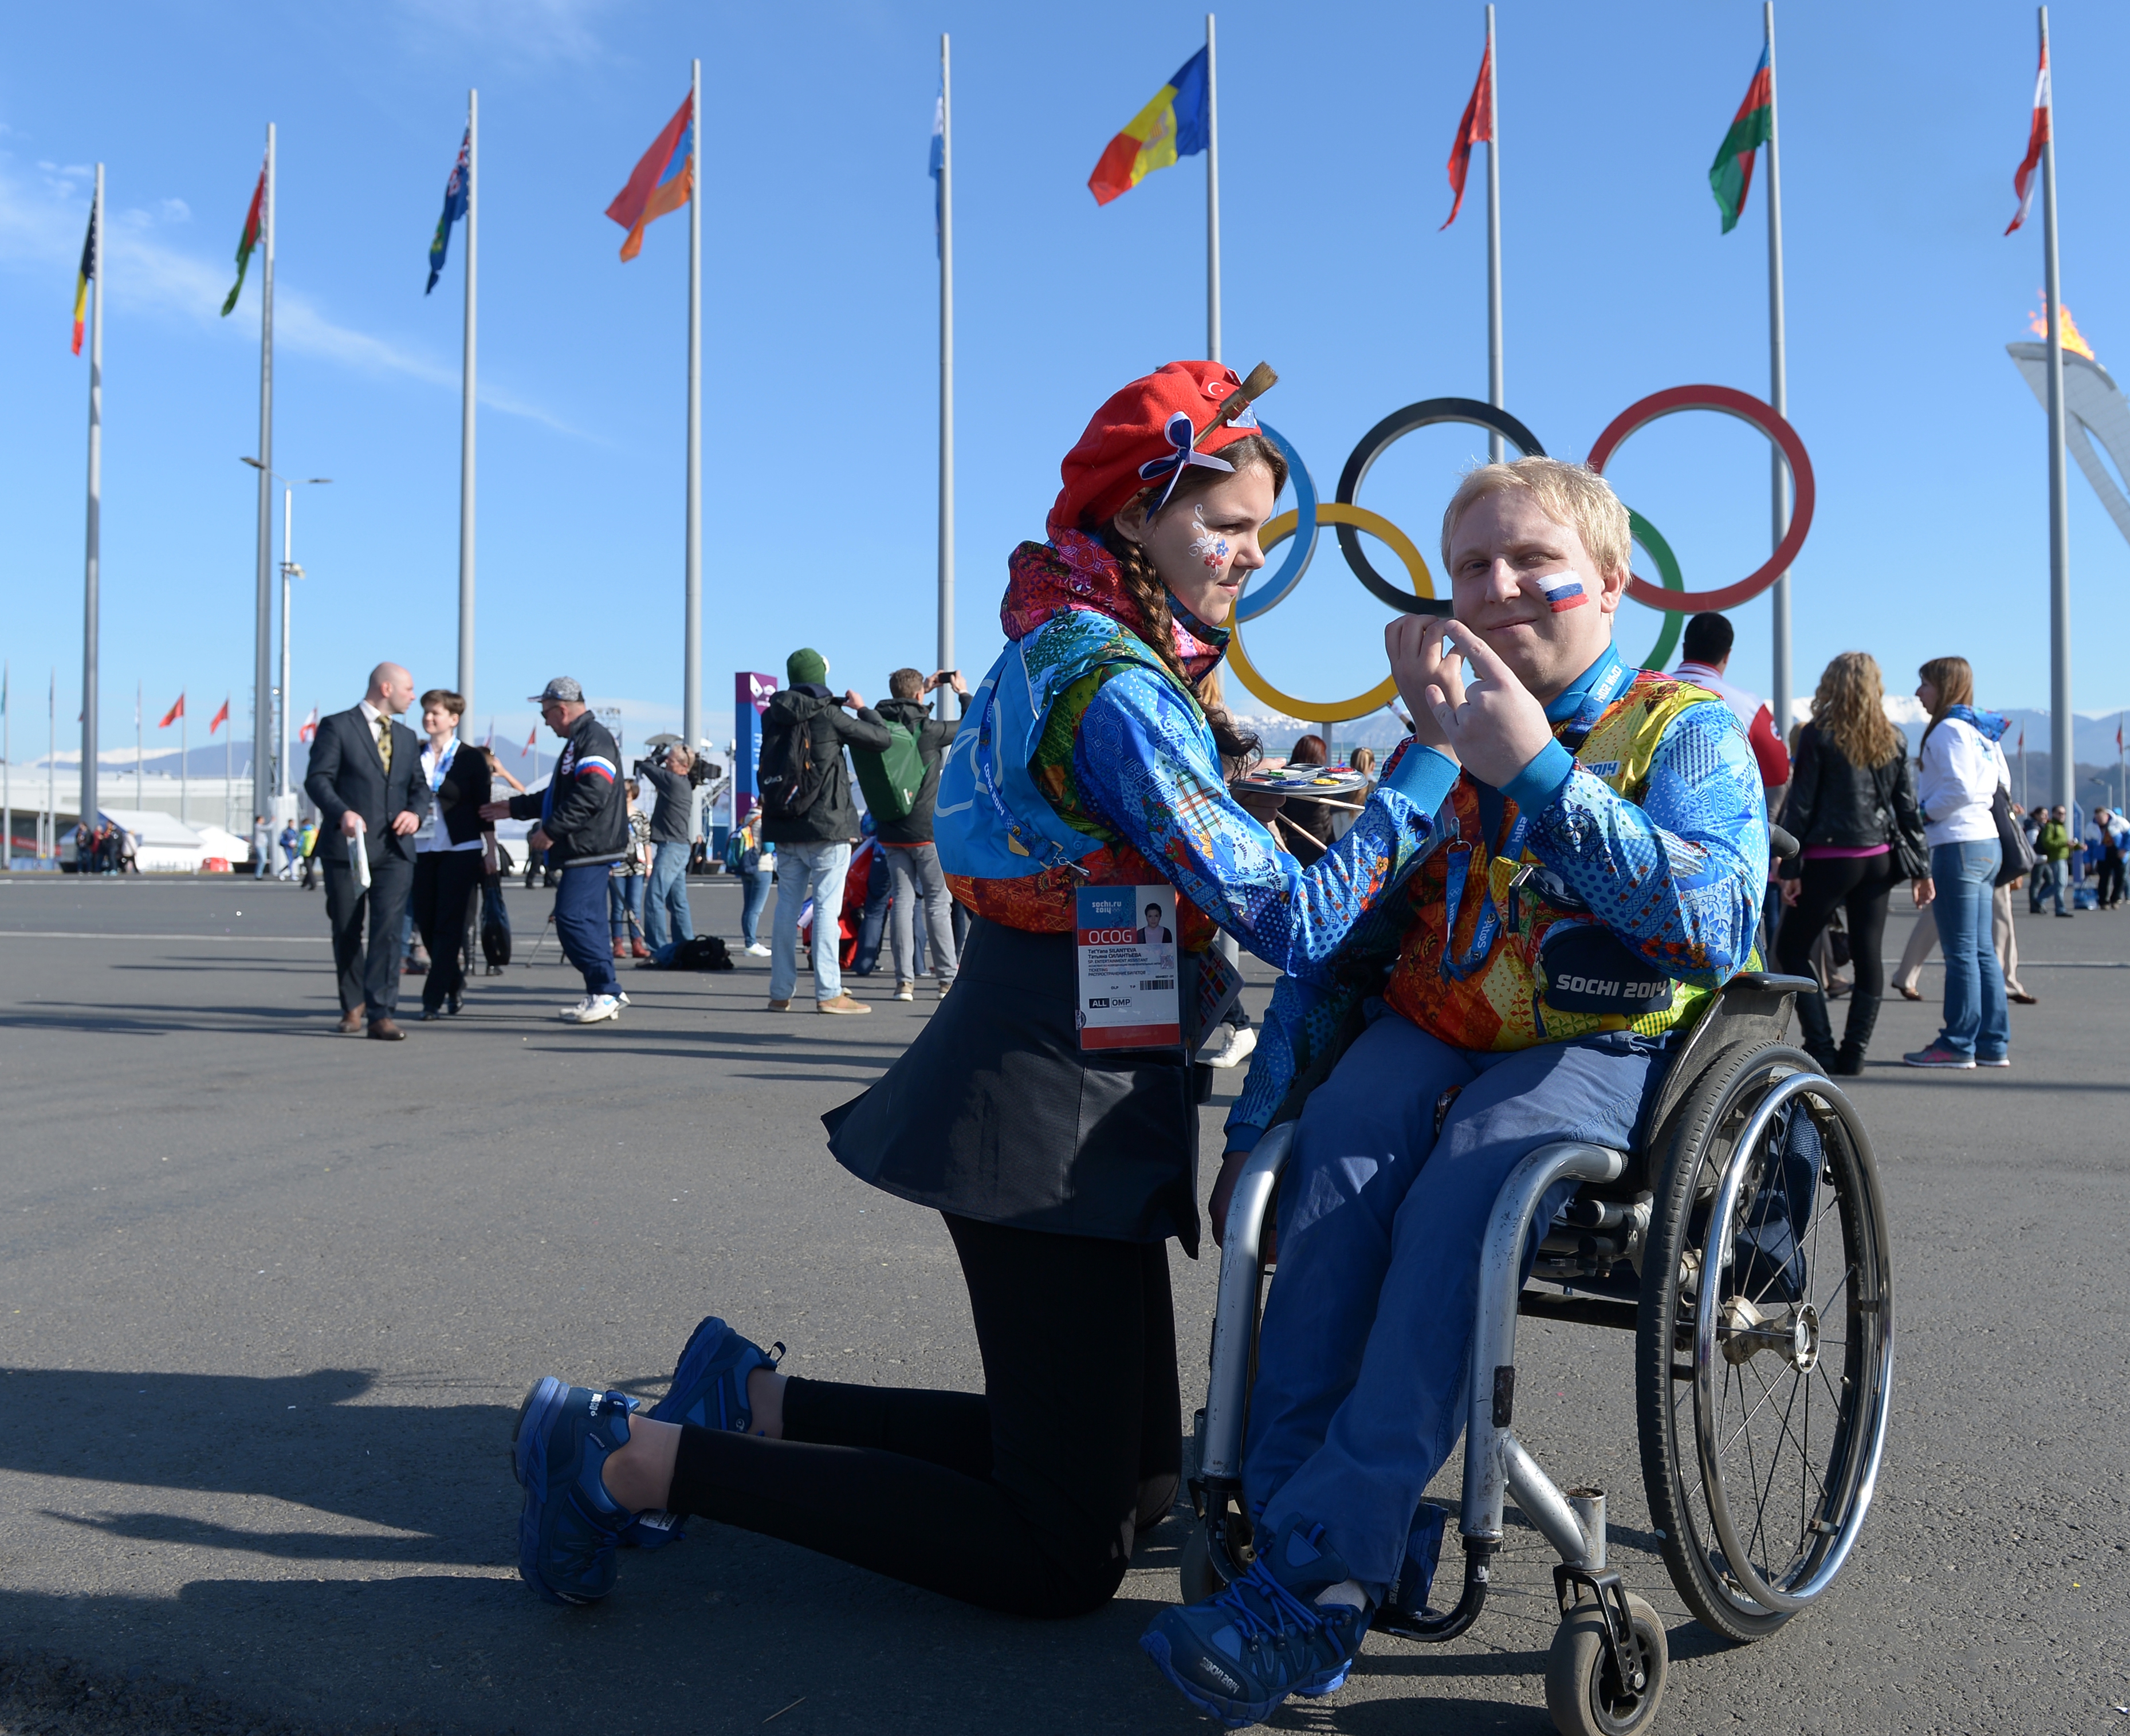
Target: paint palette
[[1308, 783]]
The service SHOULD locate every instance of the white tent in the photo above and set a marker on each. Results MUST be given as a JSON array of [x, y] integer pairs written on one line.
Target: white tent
[[162, 844]]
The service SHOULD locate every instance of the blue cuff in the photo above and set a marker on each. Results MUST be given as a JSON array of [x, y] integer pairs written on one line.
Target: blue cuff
[[1424, 777], [1242, 1136], [1539, 782]]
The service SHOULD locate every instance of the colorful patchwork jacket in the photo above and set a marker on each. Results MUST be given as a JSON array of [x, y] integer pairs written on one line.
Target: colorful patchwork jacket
[[1081, 759], [1611, 886]]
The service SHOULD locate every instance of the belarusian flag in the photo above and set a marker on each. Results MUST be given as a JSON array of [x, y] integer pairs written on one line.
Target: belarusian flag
[[1731, 176], [2037, 136], [252, 220]]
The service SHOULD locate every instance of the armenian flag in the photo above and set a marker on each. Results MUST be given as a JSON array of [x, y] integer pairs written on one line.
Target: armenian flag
[[664, 179], [1731, 176], [247, 241], [1176, 123], [82, 282], [456, 192]]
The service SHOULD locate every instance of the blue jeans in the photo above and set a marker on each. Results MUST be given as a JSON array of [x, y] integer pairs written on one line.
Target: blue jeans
[[804, 871], [1360, 1392], [666, 918], [580, 925], [754, 893], [2049, 878], [624, 900], [1977, 1021]]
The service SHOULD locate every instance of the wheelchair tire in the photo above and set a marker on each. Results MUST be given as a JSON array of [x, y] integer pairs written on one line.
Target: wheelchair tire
[[1729, 1448], [1580, 1693]]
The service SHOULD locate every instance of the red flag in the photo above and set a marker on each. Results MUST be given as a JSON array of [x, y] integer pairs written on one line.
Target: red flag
[[174, 713], [2037, 136], [221, 717], [1476, 128], [526, 751]]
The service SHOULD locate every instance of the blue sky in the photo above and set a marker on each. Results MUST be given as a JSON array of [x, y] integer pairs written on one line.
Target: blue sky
[[1902, 125]]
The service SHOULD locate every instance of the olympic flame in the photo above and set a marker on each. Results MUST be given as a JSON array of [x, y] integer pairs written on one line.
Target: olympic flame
[[2074, 340]]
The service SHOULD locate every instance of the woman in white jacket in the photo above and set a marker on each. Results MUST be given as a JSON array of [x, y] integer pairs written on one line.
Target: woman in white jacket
[[1958, 769]]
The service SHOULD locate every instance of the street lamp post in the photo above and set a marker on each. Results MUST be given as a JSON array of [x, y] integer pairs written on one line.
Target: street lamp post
[[289, 571]]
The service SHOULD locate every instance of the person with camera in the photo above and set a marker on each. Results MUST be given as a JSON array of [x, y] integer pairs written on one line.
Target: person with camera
[[674, 774], [901, 787], [808, 815]]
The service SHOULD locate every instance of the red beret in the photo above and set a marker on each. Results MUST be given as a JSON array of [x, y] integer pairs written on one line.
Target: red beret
[[1101, 473]]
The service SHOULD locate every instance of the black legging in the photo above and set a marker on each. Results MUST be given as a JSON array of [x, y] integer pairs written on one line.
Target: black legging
[[445, 881], [1860, 885], [1023, 1498]]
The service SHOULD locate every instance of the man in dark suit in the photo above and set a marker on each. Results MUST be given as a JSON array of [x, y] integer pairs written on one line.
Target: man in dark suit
[[365, 779]]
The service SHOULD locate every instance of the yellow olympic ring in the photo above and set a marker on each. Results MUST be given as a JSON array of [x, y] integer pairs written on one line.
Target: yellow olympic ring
[[1337, 711]]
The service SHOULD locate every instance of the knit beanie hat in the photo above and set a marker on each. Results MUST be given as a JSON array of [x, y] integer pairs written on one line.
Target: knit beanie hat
[[806, 667], [1106, 469]]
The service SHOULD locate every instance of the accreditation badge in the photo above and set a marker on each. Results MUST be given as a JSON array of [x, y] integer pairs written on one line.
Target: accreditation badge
[[1128, 962]]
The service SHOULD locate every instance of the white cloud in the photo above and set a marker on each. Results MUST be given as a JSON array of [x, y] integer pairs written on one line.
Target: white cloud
[[530, 30], [144, 272]]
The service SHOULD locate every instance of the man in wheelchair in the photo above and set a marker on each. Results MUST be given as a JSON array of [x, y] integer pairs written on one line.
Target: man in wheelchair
[[1603, 849]]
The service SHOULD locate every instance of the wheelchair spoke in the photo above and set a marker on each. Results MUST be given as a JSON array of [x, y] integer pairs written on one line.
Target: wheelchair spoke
[[1826, 1307], [1786, 1431]]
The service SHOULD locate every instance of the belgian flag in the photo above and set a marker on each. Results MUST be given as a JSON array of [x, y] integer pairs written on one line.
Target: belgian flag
[[82, 282]]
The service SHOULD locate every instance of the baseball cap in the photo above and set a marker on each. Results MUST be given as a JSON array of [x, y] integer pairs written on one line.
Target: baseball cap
[[560, 687]]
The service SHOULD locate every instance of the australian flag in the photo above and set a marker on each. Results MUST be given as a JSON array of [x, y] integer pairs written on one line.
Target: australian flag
[[456, 192]]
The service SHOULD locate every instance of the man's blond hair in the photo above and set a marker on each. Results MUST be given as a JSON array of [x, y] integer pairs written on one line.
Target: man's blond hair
[[1573, 495]]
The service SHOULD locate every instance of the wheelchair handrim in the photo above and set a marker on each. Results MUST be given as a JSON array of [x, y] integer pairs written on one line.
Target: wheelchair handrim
[[1873, 1367]]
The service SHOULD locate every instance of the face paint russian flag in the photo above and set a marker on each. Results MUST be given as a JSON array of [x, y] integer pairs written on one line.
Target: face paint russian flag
[[1563, 591]]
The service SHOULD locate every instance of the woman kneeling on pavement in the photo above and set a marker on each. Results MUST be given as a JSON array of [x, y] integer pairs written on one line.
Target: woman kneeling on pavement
[[1086, 767]]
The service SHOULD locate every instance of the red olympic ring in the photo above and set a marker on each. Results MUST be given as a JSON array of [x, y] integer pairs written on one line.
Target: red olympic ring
[[1746, 409]]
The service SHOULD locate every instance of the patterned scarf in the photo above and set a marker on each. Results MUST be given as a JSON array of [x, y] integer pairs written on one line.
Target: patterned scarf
[[1073, 571], [1989, 723]]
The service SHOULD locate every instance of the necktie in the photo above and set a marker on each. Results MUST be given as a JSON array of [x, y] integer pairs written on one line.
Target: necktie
[[385, 741]]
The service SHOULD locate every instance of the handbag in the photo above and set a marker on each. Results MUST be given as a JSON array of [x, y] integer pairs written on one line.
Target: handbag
[[2011, 839], [1911, 855]]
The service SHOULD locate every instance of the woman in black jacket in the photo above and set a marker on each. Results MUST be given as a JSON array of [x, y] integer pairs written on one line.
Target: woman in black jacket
[[450, 851], [1852, 806]]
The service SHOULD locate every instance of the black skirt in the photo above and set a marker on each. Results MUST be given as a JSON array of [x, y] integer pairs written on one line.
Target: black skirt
[[995, 1114]]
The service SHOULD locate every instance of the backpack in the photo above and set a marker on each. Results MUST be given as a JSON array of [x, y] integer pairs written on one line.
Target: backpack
[[705, 952], [791, 779], [892, 777]]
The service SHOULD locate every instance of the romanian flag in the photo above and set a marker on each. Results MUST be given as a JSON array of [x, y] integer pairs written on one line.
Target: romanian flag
[[219, 718], [1731, 176], [2037, 136], [81, 283], [174, 713], [664, 179], [247, 241], [1175, 124]]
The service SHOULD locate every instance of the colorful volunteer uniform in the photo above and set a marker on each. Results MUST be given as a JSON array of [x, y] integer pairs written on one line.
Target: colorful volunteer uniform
[[1083, 760]]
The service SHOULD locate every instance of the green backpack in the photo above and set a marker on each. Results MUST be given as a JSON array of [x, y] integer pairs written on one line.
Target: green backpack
[[892, 777]]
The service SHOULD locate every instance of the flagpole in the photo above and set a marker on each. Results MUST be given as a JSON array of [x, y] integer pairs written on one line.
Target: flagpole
[[1497, 448], [184, 762], [467, 403], [1778, 394], [92, 573], [945, 638], [2062, 774], [1212, 200], [140, 763], [691, 680], [7, 772], [228, 769], [262, 656], [51, 764]]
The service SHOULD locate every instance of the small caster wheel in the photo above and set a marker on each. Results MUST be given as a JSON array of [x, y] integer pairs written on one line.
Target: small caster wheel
[[1195, 1570], [1582, 1692]]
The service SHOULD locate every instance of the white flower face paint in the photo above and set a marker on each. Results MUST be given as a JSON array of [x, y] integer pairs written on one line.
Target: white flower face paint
[[1208, 545]]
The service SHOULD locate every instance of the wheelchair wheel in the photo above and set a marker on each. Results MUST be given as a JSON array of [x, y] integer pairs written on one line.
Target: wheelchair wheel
[[1584, 1692], [1764, 1353]]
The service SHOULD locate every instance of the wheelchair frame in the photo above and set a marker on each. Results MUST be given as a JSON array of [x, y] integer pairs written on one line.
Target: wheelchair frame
[[1748, 1019]]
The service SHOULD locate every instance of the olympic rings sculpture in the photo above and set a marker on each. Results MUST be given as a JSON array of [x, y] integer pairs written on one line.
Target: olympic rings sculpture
[[1348, 518]]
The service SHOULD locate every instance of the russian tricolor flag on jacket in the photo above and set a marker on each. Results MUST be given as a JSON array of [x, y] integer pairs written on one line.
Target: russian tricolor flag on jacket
[[1175, 124], [1563, 591]]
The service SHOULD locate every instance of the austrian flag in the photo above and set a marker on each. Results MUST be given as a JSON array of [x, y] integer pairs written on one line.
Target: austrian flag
[[1562, 591]]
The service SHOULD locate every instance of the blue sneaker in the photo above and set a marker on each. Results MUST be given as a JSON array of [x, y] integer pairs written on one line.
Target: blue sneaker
[[1239, 1654], [567, 1529], [709, 1389]]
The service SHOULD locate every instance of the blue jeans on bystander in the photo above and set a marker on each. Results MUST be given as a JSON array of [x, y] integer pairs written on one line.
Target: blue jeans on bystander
[[1977, 1020], [666, 917], [580, 925]]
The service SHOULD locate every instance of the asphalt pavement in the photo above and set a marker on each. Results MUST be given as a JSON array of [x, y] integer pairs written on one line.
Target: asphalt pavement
[[269, 1297]]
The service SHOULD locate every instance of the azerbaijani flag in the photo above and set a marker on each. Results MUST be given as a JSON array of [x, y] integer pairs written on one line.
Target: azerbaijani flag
[[1731, 176], [219, 718], [663, 180], [2037, 136], [247, 241], [456, 192], [81, 283], [174, 713], [1175, 124]]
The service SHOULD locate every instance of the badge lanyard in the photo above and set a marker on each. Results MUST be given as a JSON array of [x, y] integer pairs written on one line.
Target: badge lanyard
[[435, 816], [1610, 675]]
